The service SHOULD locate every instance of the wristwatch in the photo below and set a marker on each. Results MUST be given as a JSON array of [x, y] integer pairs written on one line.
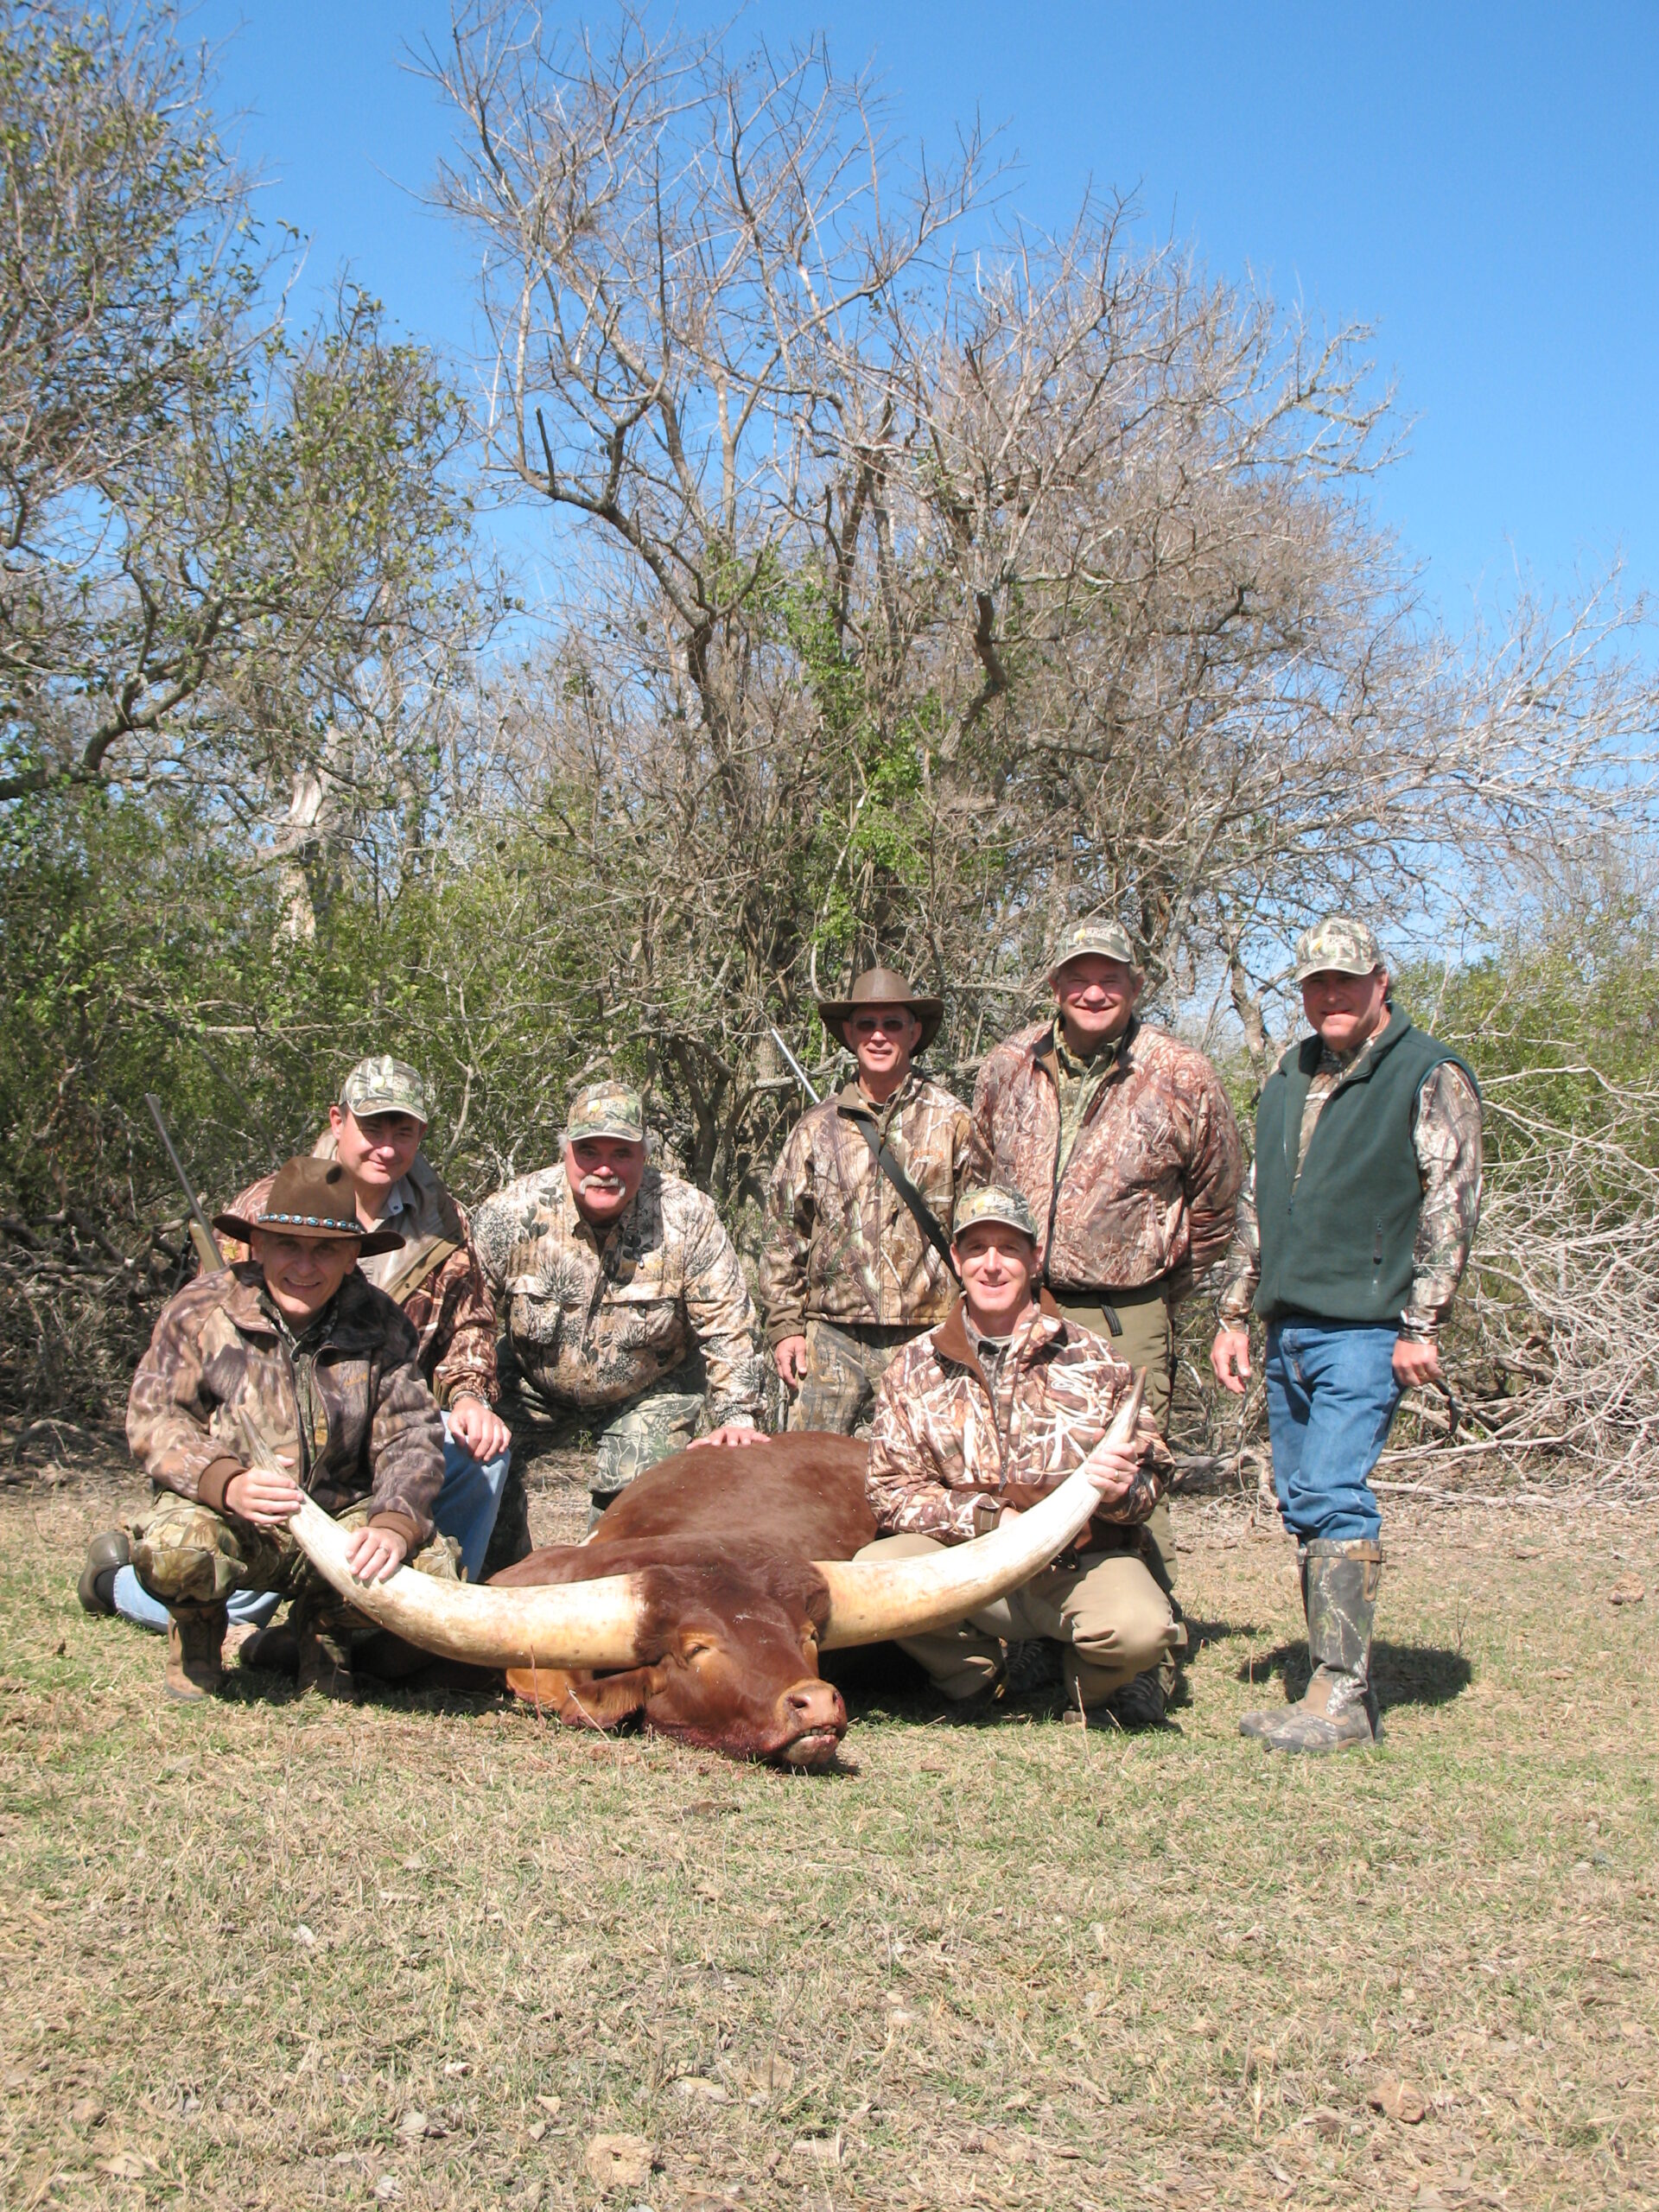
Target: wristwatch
[[987, 1511]]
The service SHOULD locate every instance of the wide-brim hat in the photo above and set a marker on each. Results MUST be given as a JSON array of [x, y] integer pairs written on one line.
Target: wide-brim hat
[[882, 987], [311, 1197]]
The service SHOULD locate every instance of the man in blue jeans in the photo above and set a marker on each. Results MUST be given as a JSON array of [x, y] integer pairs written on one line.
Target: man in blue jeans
[[1353, 1232], [375, 1130]]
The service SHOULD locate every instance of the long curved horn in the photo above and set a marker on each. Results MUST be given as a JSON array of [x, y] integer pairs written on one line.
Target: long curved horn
[[566, 1625], [873, 1599]]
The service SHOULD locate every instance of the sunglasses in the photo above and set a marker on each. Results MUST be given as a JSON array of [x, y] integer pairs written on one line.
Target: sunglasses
[[895, 1025]]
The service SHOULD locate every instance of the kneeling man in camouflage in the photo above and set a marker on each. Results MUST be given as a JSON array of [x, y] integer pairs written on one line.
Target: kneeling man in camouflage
[[293, 1358], [980, 1418], [625, 1306]]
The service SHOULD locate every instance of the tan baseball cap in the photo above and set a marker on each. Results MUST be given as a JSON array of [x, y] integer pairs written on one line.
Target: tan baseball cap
[[1340, 943]]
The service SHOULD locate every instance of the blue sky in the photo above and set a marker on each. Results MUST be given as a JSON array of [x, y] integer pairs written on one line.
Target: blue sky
[[1481, 183]]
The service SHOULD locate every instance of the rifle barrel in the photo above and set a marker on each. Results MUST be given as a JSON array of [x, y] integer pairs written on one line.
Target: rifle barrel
[[201, 1232]]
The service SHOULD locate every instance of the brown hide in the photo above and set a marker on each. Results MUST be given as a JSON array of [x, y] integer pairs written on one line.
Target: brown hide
[[802, 1494], [723, 1541]]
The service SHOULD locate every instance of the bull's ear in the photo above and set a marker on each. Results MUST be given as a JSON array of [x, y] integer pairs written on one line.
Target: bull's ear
[[586, 1700]]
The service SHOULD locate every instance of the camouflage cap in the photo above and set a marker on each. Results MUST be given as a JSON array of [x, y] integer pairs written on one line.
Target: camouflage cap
[[1340, 943], [606, 1110], [380, 1085], [1102, 936], [995, 1203]]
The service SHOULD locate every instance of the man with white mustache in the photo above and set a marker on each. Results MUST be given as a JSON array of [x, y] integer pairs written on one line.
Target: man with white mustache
[[625, 1309]]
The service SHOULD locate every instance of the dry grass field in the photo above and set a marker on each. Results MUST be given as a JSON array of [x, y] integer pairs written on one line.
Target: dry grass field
[[431, 1951]]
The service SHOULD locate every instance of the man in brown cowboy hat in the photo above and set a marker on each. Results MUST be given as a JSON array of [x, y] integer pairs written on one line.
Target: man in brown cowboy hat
[[375, 1130], [290, 1356], [1123, 1141], [851, 1271]]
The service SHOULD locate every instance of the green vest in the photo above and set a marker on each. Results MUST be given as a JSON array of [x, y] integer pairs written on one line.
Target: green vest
[[1339, 1243]]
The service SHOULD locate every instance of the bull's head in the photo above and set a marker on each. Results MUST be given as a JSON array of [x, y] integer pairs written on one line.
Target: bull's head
[[687, 1658], [729, 1651]]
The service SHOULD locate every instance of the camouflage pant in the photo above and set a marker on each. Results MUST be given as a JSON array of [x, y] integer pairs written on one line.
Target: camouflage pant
[[1144, 1336], [185, 1555], [659, 1421], [844, 1365]]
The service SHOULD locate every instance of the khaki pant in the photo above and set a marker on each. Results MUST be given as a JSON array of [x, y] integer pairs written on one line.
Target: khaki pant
[[844, 1365], [1107, 1611], [1145, 1337]]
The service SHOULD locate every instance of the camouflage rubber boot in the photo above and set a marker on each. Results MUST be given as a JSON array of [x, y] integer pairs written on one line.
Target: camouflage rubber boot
[[195, 1634], [1340, 1709], [325, 1655]]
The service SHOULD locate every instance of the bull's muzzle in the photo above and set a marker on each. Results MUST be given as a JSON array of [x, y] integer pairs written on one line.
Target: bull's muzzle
[[812, 1720]]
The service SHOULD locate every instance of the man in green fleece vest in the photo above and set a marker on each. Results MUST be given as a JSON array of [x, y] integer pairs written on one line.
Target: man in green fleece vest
[[1352, 1234]]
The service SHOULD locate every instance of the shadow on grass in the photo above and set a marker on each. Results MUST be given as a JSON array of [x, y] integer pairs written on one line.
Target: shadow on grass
[[1404, 1673]]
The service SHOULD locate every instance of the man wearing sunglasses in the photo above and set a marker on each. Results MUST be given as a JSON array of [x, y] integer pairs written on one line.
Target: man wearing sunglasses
[[860, 1210]]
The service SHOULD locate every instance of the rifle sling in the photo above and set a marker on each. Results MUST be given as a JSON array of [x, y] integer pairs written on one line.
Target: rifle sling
[[920, 1212], [421, 1270]]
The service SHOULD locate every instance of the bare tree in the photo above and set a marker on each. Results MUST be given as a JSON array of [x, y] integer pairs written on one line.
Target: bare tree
[[923, 591]]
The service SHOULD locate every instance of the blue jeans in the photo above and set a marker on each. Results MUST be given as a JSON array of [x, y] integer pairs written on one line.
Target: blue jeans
[[465, 1509], [1331, 1397]]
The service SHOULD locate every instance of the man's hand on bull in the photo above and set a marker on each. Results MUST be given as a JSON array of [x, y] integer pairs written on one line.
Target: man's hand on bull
[[264, 1495], [730, 1432], [375, 1555], [790, 1355], [478, 1426]]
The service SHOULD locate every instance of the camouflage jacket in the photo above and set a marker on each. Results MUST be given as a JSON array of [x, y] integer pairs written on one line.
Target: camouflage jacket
[[217, 1357], [1445, 1136], [945, 1434], [840, 1244], [1151, 1179], [436, 1278], [591, 1323]]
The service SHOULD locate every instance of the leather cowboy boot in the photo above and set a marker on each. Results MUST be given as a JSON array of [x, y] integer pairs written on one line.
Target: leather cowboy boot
[[108, 1552], [273, 1650], [195, 1636], [1340, 1709]]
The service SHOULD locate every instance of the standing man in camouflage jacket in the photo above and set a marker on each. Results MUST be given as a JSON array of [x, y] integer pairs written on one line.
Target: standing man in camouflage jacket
[[1125, 1147], [848, 1275], [290, 1358], [1352, 1235], [983, 1417], [624, 1306]]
